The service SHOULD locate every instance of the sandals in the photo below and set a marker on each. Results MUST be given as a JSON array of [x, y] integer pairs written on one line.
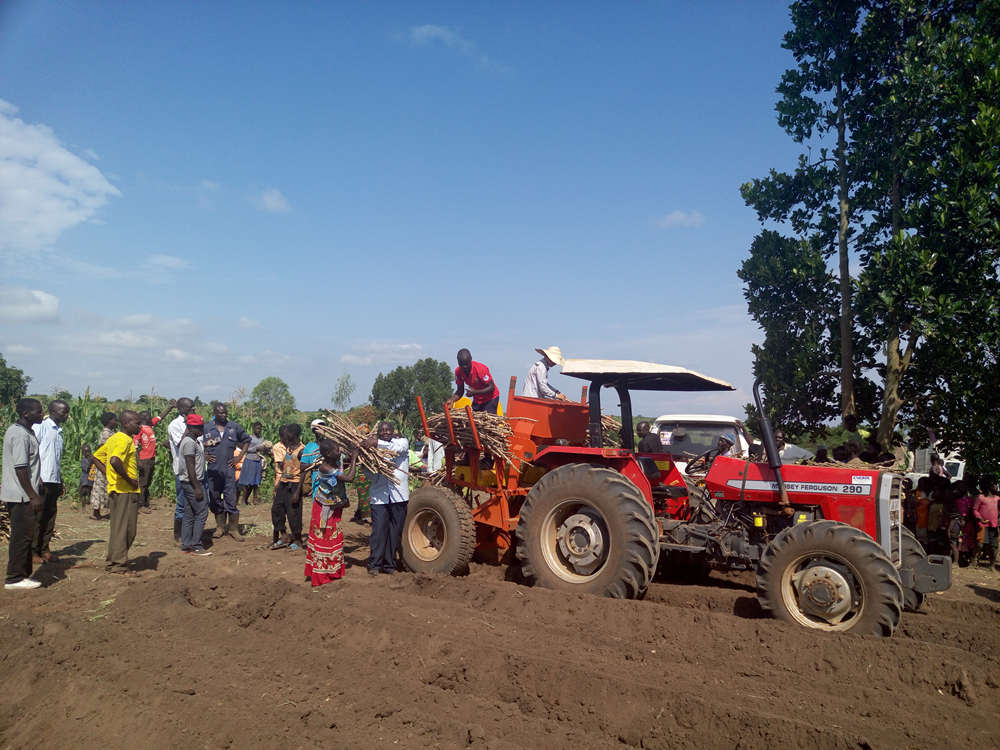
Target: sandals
[[280, 544]]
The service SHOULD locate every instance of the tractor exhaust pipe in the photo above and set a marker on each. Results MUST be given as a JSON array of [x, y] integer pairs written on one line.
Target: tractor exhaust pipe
[[770, 446]]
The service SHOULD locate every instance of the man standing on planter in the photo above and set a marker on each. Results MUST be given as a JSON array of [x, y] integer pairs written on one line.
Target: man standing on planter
[[388, 503]]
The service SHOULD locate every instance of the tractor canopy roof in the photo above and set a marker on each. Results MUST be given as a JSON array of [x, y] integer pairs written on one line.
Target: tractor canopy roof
[[642, 376]]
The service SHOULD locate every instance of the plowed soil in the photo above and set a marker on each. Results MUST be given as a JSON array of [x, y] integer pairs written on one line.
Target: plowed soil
[[234, 650]]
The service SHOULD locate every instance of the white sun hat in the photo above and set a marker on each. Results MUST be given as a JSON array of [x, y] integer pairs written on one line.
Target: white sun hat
[[554, 353]]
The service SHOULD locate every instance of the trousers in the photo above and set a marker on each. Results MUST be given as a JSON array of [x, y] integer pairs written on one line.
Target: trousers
[[23, 526], [195, 513], [181, 500], [47, 518], [221, 486], [387, 532], [287, 504], [123, 508]]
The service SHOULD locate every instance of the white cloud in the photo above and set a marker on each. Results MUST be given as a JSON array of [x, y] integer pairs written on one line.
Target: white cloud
[[428, 34], [167, 262], [27, 305], [137, 319], [246, 322], [382, 353], [91, 154], [680, 219], [126, 339], [178, 355], [19, 349], [271, 201], [45, 188]]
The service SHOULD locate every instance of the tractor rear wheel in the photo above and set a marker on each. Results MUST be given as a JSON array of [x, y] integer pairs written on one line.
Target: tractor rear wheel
[[913, 553], [830, 576], [589, 529], [439, 535]]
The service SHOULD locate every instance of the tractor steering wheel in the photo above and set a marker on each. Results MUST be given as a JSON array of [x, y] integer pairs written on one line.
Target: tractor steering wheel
[[692, 465]]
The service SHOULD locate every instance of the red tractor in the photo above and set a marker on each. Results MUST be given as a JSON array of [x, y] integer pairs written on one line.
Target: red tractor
[[827, 544]]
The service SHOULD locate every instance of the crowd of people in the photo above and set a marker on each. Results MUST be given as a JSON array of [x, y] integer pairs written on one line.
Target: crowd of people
[[959, 518], [217, 465]]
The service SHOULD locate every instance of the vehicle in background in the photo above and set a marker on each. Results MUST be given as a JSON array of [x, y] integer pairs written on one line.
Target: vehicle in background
[[919, 464], [701, 433]]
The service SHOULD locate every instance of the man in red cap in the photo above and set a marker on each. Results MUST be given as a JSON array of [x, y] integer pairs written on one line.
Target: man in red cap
[[191, 455]]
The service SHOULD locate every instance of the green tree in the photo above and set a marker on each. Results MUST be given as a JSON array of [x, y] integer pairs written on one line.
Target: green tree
[[272, 397], [13, 382], [912, 111], [816, 199], [394, 395], [931, 259], [342, 392], [793, 297]]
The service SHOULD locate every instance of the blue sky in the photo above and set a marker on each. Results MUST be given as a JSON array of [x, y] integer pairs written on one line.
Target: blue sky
[[194, 196]]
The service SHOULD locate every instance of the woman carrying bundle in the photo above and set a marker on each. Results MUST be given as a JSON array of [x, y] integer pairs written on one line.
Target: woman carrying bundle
[[325, 547]]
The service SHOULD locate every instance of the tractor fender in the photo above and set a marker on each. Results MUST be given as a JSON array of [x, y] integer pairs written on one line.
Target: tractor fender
[[613, 458]]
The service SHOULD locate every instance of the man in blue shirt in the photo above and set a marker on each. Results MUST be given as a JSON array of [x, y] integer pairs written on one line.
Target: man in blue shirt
[[388, 503], [220, 439], [50, 449]]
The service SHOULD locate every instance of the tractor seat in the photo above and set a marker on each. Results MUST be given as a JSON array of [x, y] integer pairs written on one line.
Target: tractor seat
[[649, 468]]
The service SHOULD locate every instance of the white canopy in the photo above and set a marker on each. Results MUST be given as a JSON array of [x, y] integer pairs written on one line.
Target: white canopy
[[642, 376]]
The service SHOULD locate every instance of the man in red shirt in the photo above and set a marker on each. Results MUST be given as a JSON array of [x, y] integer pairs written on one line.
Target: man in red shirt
[[474, 378], [145, 443]]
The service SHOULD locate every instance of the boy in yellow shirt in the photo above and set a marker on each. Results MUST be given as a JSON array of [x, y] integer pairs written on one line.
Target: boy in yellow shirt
[[117, 459]]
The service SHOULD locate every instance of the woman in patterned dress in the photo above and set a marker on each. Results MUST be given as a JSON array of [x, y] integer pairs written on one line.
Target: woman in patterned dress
[[99, 493], [325, 546]]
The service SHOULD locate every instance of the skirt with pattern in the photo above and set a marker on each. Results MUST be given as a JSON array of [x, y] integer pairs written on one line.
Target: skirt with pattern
[[324, 548]]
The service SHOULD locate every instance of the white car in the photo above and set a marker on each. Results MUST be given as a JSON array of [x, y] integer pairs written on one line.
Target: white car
[[701, 433]]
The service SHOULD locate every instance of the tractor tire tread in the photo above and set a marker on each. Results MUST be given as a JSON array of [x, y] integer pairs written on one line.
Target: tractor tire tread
[[641, 542], [887, 598], [464, 530]]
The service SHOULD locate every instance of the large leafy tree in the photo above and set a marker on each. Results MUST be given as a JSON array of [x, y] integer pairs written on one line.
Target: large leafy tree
[[930, 142], [273, 397], [394, 395], [13, 382], [915, 120], [793, 297], [816, 199]]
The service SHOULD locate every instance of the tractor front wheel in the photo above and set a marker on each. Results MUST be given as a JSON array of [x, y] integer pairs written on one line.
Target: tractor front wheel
[[439, 535], [912, 554], [589, 529], [830, 576]]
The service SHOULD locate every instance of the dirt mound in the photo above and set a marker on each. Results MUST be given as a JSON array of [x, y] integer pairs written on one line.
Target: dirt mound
[[235, 651]]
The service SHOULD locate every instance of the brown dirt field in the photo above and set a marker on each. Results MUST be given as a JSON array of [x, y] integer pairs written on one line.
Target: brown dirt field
[[235, 650]]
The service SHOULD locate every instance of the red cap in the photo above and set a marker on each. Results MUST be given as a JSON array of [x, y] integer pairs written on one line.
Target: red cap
[[195, 420]]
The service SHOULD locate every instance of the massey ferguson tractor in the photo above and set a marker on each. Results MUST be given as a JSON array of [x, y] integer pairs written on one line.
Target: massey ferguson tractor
[[827, 543]]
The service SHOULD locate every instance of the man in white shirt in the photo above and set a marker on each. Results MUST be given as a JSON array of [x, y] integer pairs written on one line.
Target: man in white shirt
[[536, 385], [50, 450], [388, 503]]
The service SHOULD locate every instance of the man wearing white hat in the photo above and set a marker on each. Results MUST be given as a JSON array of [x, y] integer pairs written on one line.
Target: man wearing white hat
[[536, 385]]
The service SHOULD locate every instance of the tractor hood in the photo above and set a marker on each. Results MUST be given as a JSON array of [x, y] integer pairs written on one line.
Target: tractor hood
[[642, 376]]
